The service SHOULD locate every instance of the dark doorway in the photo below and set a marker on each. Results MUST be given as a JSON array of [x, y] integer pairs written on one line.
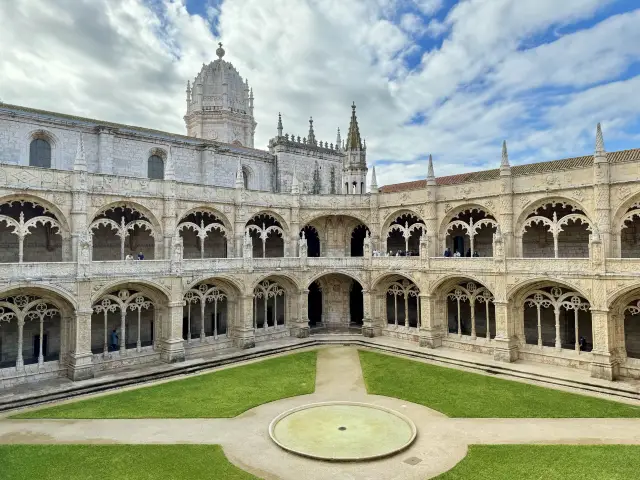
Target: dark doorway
[[458, 245], [357, 240], [313, 241], [356, 306], [315, 305]]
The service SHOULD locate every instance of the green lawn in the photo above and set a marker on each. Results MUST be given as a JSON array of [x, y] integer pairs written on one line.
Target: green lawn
[[124, 462], [547, 462], [457, 393], [222, 394]]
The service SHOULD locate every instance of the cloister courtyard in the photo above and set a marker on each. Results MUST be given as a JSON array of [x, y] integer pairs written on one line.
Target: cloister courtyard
[[214, 424]]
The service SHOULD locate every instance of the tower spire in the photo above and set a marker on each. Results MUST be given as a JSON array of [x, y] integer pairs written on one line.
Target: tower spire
[[374, 181], [353, 137], [311, 138], [338, 140], [599, 141], [279, 125], [431, 178], [239, 177], [505, 156]]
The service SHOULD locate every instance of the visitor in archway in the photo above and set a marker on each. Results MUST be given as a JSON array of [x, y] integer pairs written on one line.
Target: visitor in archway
[[475, 254], [468, 253], [583, 344], [457, 254], [128, 257], [447, 252], [114, 340], [140, 256]]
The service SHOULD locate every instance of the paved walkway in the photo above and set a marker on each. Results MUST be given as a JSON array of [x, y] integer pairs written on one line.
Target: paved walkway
[[441, 443]]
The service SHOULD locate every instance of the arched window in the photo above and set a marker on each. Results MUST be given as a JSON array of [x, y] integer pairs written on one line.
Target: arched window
[[40, 153], [155, 168]]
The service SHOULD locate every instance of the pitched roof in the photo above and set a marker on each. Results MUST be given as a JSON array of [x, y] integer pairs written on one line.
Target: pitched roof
[[516, 171], [122, 126]]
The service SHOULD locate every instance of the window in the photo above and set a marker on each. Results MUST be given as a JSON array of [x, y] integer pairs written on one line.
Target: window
[[40, 153], [245, 178], [156, 168]]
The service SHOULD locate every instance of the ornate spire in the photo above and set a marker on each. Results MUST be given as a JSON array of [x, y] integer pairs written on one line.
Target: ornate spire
[[239, 177], [311, 138], [505, 156], [279, 125], [338, 139], [169, 172], [599, 141], [374, 181], [220, 51], [295, 185], [80, 162], [431, 178], [353, 137]]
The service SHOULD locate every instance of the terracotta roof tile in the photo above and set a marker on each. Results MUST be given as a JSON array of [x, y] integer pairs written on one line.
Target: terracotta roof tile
[[517, 170]]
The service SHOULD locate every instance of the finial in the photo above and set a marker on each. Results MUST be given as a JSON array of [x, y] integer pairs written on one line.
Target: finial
[[338, 140], [279, 125], [430, 173], [353, 106], [220, 51], [505, 156], [239, 177], [599, 140], [374, 181], [80, 162]]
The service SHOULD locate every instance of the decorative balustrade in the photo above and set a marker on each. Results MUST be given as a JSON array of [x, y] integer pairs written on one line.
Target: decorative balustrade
[[212, 265], [623, 265], [130, 267], [462, 264], [544, 265], [336, 262], [34, 271]]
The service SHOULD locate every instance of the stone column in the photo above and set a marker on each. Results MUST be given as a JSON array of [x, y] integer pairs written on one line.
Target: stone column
[[430, 328], [169, 220], [80, 356], [300, 326], [506, 342], [105, 150], [244, 332], [368, 329], [172, 344], [604, 364]]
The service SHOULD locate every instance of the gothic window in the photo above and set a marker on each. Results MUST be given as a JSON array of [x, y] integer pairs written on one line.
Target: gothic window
[[245, 178], [155, 168], [40, 153]]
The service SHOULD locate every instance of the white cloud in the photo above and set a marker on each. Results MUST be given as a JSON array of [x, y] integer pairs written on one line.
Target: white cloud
[[128, 61]]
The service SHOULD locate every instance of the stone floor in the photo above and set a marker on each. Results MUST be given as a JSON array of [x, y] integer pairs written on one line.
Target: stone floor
[[441, 442]]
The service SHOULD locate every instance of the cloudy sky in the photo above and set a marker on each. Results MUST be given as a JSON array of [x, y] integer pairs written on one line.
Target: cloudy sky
[[451, 78]]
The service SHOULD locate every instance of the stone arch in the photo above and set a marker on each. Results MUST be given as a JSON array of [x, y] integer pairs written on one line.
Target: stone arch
[[275, 304], [625, 228], [235, 285], [207, 234], [402, 231], [36, 324], [111, 231], [450, 279], [159, 292], [267, 226], [624, 313], [516, 291], [468, 228], [553, 227], [33, 230], [378, 282], [467, 306], [335, 232], [341, 300], [356, 214], [54, 142], [248, 177], [396, 302]]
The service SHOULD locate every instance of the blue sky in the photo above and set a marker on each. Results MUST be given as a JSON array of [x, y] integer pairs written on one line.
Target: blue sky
[[442, 77]]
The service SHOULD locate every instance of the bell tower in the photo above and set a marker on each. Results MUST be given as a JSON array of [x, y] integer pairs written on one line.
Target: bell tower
[[220, 104], [354, 168]]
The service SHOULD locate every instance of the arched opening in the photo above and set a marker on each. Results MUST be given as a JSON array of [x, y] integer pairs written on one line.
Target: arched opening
[[336, 304], [555, 230], [206, 312], [267, 236], [470, 233], [470, 310], [315, 305], [269, 306], [125, 319], [32, 331], [155, 167], [402, 304], [313, 240], [29, 232], [203, 235], [403, 235], [40, 153], [357, 240], [245, 178], [630, 232], [555, 316], [120, 232], [632, 329]]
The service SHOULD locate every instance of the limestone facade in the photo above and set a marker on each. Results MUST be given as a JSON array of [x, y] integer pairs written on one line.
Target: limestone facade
[[548, 272]]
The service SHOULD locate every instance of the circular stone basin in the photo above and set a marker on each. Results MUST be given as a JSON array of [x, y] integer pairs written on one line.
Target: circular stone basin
[[343, 431]]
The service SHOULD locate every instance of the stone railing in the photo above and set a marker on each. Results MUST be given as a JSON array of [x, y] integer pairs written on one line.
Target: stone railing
[[212, 264], [336, 262], [35, 271], [623, 265], [462, 264], [543, 265], [395, 263], [129, 267]]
